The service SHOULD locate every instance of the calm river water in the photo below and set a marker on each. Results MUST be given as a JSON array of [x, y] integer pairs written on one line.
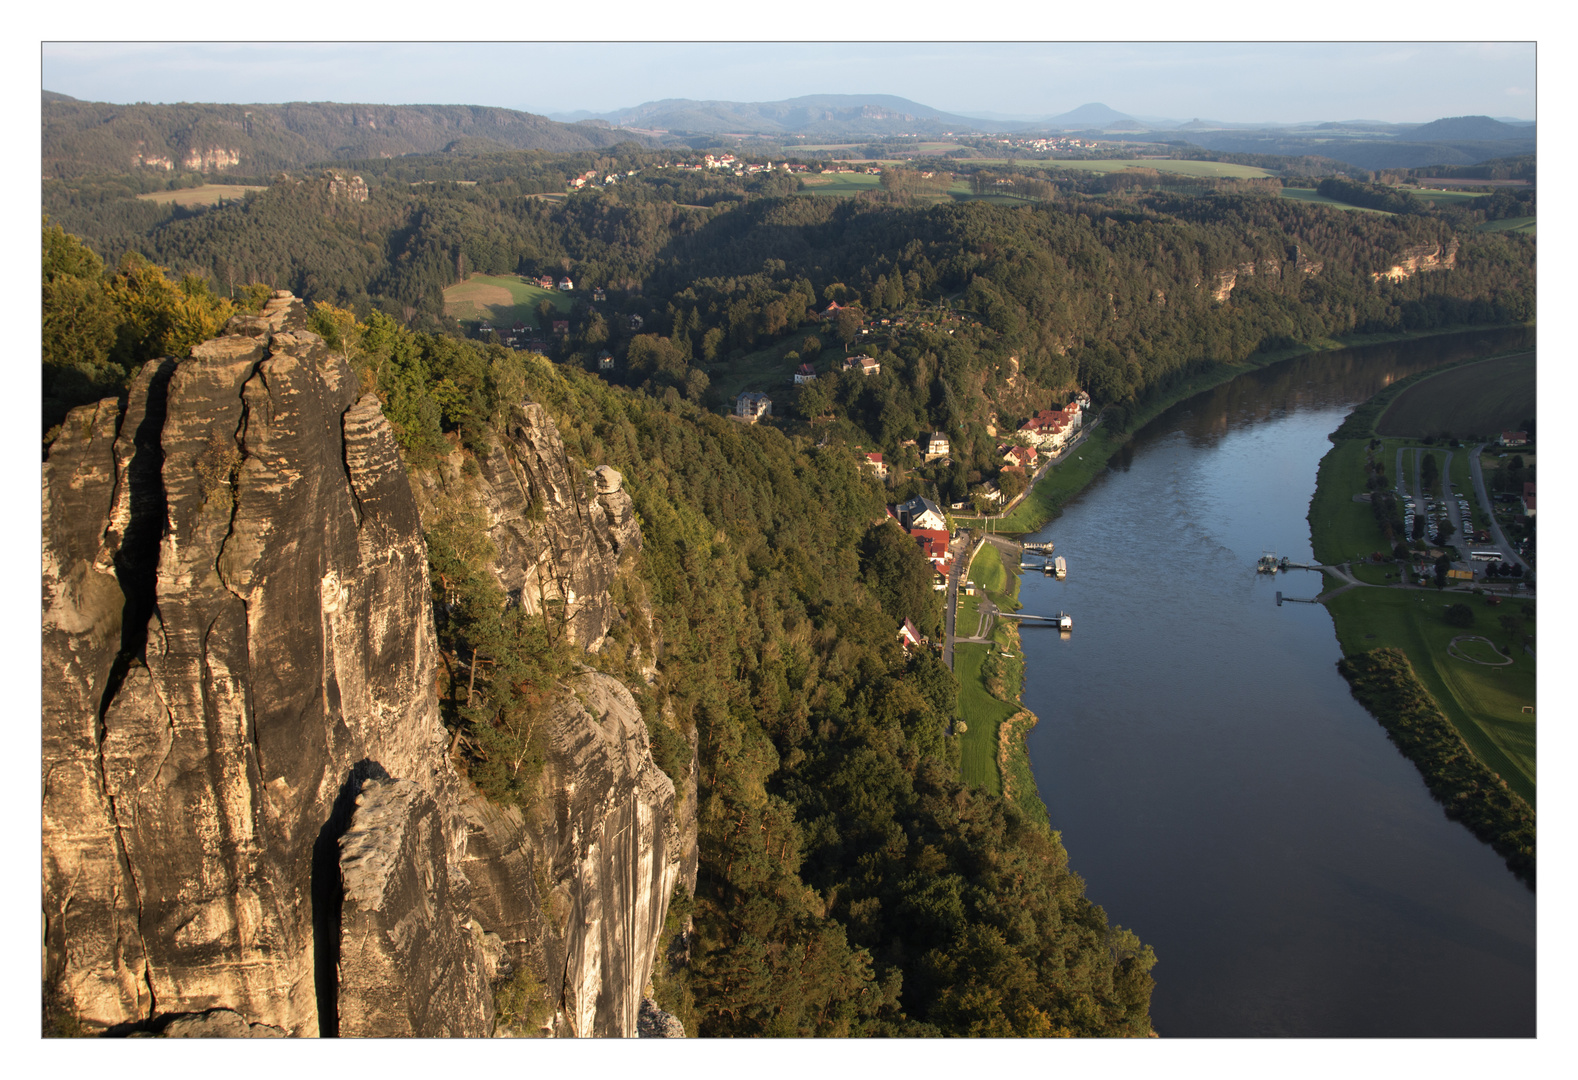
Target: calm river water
[[1216, 785]]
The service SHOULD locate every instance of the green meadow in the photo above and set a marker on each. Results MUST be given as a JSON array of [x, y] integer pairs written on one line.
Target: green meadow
[[1474, 399], [501, 300], [1311, 195]]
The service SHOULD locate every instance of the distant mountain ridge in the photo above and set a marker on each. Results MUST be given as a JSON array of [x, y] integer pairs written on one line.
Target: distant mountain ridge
[[85, 136], [812, 114]]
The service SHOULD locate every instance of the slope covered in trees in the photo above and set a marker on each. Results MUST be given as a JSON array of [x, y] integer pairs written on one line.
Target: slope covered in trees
[[849, 882]]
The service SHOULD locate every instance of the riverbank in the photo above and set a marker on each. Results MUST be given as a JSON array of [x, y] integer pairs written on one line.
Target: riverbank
[[1045, 501], [1468, 727], [992, 752]]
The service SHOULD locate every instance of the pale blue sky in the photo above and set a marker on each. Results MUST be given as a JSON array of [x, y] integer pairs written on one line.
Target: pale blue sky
[[1242, 82]]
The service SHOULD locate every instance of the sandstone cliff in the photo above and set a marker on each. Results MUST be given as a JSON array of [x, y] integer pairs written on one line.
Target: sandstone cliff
[[249, 810]]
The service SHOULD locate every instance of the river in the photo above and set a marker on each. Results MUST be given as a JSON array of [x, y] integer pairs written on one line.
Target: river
[[1215, 783]]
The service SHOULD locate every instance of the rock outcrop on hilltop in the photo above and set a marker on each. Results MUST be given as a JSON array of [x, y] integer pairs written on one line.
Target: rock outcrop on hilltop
[[250, 812]]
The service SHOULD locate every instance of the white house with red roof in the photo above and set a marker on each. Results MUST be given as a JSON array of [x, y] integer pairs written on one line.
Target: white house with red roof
[[864, 364], [909, 637], [875, 463], [803, 374]]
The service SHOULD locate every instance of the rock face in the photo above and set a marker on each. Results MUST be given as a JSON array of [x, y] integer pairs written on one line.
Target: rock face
[[1420, 258], [239, 666], [559, 534], [583, 888]]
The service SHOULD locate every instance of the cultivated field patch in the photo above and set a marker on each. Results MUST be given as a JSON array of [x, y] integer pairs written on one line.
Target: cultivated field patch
[[205, 195], [1475, 399], [501, 300], [1167, 165], [1311, 195]]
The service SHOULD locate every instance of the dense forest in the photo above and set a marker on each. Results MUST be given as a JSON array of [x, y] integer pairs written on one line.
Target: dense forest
[[981, 311]]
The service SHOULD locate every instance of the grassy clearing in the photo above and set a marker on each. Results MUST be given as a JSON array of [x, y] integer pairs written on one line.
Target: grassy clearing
[[501, 300], [766, 369], [840, 184], [204, 195], [1441, 197], [1485, 704], [1515, 224], [982, 714], [1311, 195], [1182, 168], [1475, 399]]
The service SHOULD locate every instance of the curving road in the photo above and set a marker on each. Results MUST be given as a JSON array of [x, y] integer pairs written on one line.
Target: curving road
[[1510, 552]]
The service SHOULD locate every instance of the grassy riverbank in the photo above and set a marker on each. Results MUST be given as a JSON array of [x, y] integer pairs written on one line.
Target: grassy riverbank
[[1461, 709], [992, 750]]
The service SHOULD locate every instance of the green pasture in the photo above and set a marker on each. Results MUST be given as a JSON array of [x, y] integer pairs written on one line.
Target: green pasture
[[501, 300], [1516, 224], [841, 184], [203, 195], [1441, 197], [1485, 704], [766, 369], [1182, 168], [1473, 399], [1311, 195]]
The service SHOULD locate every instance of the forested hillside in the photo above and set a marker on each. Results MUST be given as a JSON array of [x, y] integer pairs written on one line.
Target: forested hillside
[[849, 883], [981, 311], [82, 137]]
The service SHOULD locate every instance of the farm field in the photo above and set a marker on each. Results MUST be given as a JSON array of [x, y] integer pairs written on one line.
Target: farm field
[[1515, 224], [1441, 197], [1183, 168], [1484, 703], [501, 300], [205, 195], [1311, 195], [839, 184], [1475, 399]]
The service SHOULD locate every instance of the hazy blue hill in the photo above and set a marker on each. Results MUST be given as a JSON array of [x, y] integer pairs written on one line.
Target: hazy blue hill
[[1092, 115], [812, 114], [1472, 128]]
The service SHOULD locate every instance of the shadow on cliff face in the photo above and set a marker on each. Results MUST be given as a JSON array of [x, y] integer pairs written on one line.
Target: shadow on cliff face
[[137, 560], [328, 894]]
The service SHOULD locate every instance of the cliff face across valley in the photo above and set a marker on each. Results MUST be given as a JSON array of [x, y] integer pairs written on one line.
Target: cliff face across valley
[[249, 801]]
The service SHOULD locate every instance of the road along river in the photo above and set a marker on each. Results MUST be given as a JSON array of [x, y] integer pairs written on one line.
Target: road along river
[[1215, 783]]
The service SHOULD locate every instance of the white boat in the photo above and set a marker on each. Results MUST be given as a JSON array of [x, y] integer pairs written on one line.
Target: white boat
[[1065, 621], [1267, 563], [1060, 568]]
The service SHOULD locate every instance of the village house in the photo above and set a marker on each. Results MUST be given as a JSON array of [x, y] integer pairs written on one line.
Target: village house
[[934, 545], [635, 322], [545, 282], [936, 446], [1514, 438], [565, 284], [1023, 456], [752, 405], [1528, 498], [803, 374], [561, 326], [605, 361], [864, 364], [598, 294], [921, 513], [874, 462], [909, 637]]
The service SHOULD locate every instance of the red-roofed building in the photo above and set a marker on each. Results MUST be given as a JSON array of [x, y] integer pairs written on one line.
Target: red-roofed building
[[1528, 498], [1023, 456], [803, 374], [909, 637], [832, 310], [875, 464], [1049, 428], [934, 545], [1514, 438]]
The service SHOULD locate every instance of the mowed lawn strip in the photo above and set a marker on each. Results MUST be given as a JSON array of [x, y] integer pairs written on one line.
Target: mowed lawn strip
[[1340, 528], [982, 714], [1482, 398]]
